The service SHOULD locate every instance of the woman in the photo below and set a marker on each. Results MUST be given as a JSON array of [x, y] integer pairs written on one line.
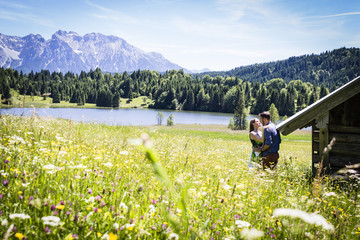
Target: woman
[[257, 139]]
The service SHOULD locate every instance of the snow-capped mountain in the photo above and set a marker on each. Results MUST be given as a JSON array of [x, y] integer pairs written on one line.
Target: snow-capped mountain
[[68, 51]]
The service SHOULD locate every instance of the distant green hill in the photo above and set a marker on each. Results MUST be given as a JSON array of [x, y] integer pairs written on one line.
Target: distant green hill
[[332, 69]]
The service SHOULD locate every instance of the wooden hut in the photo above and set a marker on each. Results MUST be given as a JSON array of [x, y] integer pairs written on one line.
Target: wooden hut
[[334, 117]]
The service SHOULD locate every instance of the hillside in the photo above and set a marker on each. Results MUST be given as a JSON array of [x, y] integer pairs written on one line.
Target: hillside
[[332, 68]]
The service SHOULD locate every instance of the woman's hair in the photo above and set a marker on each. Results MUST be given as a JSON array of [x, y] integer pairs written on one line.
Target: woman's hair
[[251, 128]]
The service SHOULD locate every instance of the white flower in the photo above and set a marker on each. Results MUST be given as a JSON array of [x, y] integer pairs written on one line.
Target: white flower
[[49, 167], [329, 194], [116, 226], [108, 164], [152, 210], [19, 215], [312, 218], [242, 224], [130, 226], [173, 236], [123, 207], [124, 153], [105, 237], [226, 187], [90, 200], [78, 166], [251, 233], [4, 223], [51, 220]]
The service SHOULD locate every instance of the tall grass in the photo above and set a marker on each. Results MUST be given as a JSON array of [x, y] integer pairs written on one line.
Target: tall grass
[[116, 182]]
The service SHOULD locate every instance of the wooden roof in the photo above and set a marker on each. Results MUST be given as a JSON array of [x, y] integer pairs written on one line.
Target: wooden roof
[[305, 117]]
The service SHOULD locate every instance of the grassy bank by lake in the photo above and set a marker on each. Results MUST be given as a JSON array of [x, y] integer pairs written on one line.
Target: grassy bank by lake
[[69, 180], [41, 102]]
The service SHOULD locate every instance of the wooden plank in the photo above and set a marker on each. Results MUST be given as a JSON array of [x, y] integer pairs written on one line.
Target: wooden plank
[[315, 146], [342, 161], [315, 136], [346, 149], [345, 137], [323, 142], [316, 158], [344, 129]]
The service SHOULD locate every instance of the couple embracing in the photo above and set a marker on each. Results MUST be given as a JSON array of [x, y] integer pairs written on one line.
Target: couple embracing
[[265, 139]]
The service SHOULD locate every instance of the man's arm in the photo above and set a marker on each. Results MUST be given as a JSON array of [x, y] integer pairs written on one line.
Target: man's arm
[[264, 148]]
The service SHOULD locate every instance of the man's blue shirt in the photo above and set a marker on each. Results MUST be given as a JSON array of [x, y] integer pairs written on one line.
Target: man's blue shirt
[[271, 138]]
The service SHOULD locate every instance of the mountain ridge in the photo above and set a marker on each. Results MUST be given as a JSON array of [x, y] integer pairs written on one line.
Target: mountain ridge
[[69, 51]]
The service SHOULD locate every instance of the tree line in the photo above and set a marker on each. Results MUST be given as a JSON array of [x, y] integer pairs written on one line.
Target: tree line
[[170, 90], [331, 68]]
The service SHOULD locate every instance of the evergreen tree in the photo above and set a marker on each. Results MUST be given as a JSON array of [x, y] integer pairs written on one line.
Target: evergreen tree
[[240, 113], [55, 95], [274, 113]]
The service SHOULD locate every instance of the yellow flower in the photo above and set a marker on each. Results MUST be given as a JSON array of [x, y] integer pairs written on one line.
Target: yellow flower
[[112, 236], [99, 234], [60, 207], [20, 192], [19, 236]]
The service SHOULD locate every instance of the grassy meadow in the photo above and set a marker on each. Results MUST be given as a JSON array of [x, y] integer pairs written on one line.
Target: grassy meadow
[[67, 180], [18, 100]]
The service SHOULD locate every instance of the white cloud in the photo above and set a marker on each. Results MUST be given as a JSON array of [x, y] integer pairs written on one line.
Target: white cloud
[[112, 15]]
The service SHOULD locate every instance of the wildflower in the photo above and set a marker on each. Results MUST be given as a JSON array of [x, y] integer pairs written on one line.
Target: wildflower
[[4, 223], [312, 218], [329, 194], [75, 236], [19, 215], [116, 225], [49, 167], [47, 230], [173, 236], [5, 183], [98, 234], [123, 207], [60, 207], [90, 191], [105, 237], [52, 208], [130, 227], [112, 236], [90, 200], [108, 164], [51, 220], [124, 152], [19, 235], [251, 233], [98, 198], [242, 224]]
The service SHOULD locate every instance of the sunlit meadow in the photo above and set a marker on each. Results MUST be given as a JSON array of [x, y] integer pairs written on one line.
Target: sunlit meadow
[[66, 180]]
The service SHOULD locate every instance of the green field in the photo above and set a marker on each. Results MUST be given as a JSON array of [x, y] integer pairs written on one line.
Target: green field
[[69, 180], [41, 102]]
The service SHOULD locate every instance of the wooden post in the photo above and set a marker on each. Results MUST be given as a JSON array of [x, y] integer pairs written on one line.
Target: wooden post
[[322, 124]]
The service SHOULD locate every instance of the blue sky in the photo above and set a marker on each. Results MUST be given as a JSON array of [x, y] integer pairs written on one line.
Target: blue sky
[[214, 34]]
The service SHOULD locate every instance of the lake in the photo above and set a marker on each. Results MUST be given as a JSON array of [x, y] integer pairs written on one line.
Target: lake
[[125, 116]]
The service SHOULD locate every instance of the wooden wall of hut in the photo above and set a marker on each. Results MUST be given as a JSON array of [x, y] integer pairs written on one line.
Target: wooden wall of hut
[[344, 127]]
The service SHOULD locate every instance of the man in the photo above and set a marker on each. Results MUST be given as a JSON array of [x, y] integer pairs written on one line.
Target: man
[[272, 142]]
